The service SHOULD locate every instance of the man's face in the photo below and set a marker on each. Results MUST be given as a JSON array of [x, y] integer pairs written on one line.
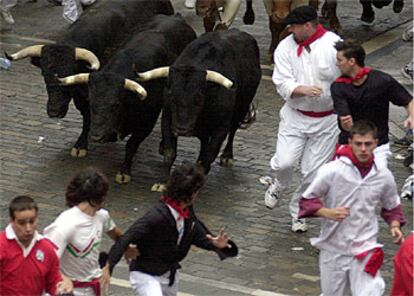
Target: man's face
[[363, 146], [300, 31], [344, 64], [24, 225]]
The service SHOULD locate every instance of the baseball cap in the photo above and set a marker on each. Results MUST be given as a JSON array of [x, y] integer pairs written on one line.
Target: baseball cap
[[301, 15]]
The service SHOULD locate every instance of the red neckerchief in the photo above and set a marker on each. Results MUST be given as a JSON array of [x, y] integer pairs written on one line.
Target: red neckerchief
[[320, 31], [182, 213], [360, 74], [346, 150], [374, 263]]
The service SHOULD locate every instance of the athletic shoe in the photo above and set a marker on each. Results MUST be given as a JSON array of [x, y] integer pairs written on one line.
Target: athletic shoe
[[407, 35], [8, 18], [272, 194], [299, 225], [408, 188], [407, 71], [190, 3]]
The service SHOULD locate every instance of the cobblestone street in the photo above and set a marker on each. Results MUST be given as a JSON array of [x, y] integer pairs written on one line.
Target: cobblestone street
[[35, 160]]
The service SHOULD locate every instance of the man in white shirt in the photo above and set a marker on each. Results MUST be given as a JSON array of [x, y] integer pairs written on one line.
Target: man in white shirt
[[305, 67], [345, 193]]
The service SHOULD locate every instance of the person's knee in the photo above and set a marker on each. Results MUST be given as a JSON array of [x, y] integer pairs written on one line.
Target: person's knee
[[282, 163]]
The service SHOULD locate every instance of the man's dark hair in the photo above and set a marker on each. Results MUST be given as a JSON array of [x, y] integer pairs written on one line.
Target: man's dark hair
[[87, 185], [184, 181], [363, 127], [21, 203], [352, 49]]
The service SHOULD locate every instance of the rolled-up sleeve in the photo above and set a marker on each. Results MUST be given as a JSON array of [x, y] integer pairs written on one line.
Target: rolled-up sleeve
[[283, 74]]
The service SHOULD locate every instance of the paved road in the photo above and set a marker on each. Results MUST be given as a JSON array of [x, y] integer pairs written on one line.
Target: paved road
[[35, 160]]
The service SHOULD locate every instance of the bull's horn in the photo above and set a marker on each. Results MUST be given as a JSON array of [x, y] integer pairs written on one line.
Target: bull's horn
[[30, 51], [135, 87], [88, 56], [218, 78], [82, 78], [154, 74]]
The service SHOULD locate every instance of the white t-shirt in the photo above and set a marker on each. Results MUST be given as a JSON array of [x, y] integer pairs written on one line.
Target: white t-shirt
[[78, 236]]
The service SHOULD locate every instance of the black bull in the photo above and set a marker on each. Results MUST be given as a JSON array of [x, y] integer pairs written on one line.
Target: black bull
[[91, 39], [209, 90], [118, 104]]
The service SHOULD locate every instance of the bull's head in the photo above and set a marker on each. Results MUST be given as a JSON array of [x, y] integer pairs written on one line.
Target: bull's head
[[58, 61], [106, 95], [206, 8], [185, 93]]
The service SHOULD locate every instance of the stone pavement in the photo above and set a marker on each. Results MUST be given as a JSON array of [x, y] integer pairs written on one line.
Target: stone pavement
[[35, 160]]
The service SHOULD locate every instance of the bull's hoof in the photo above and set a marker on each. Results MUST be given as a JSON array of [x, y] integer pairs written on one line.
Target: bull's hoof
[[226, 162], [78, 152], [121, 178], [158, 187], [368, 17], [398, 6], [248, 18]]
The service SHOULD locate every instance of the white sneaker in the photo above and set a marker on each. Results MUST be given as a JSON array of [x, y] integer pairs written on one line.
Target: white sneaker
[[299, 225], [272, 194], [190, 3], [8, 18]]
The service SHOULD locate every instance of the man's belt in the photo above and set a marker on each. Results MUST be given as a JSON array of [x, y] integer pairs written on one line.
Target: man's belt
[[316, 114]]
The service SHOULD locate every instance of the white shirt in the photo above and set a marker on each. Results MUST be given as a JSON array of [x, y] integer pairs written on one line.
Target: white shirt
[[78, 237], [317, 67], [340, 184], [179, 223]]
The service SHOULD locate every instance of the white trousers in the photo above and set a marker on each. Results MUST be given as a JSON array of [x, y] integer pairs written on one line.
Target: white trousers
[[343, 275], [6, 5], [72, 9], [308, 140], [144, 284], [87, 291], [381, 155]]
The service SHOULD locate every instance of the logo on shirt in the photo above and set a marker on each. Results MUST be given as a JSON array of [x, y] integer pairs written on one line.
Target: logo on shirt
[[40, 256]]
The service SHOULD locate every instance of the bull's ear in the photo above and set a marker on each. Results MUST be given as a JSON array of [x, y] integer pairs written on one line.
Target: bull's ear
[[35, 61]]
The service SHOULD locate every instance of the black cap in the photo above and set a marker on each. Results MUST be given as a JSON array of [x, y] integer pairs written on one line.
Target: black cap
[[301, 15]]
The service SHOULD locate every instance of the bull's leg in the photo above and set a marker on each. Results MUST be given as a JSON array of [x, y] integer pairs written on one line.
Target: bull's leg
[[398, 6], [124, 175], [314, 4], [209, 22], [368, 14], [169, 147], [334, 23], [80, 149], [275, 28], [212, 149], [226, 158], [249, 16]]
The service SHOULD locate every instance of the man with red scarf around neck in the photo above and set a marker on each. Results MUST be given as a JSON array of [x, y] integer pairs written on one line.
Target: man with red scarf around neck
[[305, 67], [365, 93], [165, 234], [345, 193]]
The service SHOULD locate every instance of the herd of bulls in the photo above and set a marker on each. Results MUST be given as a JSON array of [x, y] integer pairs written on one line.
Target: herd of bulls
[[152, 61], [123, 62]]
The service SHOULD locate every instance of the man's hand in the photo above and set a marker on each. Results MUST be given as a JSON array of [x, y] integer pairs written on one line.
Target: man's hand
[[221, 241], [65, 286], [336, 214], [346, 122], [307, 90], [397, 234], [131, 253], [409, 122], [105, 279]]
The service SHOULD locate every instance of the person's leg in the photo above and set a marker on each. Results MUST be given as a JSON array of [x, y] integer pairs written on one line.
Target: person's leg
[[144, 284], [334, 269], [362, 283], [5, 7], [168, 290], [381, 155], [319, 150], [289, 149]]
